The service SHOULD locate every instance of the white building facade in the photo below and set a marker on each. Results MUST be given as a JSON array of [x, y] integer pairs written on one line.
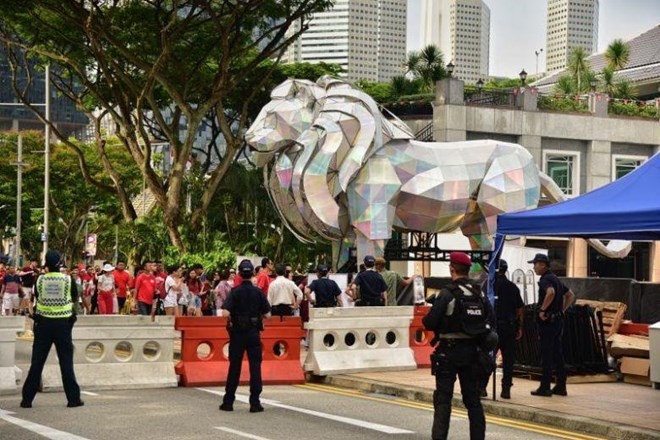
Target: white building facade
[[367, 38], [461, 29], [571, 23]]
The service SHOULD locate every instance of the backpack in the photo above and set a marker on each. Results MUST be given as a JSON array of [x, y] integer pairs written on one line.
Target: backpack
[[469, 310]]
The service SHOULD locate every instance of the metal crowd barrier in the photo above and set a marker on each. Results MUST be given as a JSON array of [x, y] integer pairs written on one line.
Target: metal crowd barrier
[[585, 350]]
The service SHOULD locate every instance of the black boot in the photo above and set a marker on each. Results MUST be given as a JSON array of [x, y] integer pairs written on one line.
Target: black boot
[[560, 390], [543, 392], [506, 392]]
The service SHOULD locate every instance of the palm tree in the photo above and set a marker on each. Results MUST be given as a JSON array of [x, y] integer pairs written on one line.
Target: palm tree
[[412, 63], [617, 54], [625, 89], [607, 82], [578, 65], [564, 86], [399, 86]]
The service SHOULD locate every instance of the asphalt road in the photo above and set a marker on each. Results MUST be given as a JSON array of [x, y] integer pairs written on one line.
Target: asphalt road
[[292, 412], [311, 411]]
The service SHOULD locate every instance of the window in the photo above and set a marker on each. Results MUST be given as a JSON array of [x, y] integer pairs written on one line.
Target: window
[[622, 165], [563, 167]]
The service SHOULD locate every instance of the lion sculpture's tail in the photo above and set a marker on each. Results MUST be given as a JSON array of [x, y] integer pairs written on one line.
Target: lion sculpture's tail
[[614, 249]]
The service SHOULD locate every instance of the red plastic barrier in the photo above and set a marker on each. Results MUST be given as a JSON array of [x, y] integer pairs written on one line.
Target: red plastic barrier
[[633, 328], [210, 366], [420, 339]]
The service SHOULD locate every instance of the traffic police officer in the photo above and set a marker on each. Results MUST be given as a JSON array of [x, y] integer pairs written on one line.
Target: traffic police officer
[[459, 313], [510, 311], [245, 307], [53, 323], [554, 299]]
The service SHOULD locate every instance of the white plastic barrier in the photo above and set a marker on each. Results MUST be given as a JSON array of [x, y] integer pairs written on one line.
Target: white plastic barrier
[[654, 346], [119, 352], [350, 340], [9, 373]]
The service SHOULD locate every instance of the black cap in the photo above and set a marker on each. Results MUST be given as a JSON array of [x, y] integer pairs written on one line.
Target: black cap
[[245, 267], [52, 259], [543, 258], [369, 260], [502, 265], [322, 268]]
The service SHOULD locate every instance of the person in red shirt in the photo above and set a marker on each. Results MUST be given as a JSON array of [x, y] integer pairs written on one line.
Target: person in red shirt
[[122, 280], [145, 286], [264, 279]]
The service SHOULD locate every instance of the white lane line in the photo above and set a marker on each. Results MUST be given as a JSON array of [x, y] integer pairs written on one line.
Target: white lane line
[[88, 393], [349, 421], [240, 433], [42, 430]]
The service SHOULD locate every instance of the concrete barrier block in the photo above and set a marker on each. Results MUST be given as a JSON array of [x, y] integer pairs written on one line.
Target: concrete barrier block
[[119, 352], [9, 377], [351, 340]]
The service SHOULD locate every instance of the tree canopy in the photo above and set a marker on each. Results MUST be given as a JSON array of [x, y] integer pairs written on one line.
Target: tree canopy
[[158, 71]]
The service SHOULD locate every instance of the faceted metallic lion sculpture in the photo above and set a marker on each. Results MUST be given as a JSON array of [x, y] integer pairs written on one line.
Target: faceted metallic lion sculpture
[[337, 170]]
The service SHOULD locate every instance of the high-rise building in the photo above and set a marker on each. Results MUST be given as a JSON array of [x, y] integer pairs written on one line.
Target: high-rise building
[[571, 23], [366, 37], [461, 29]]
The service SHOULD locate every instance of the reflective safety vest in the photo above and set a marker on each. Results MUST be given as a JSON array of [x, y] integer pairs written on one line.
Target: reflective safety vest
[[54, 300]]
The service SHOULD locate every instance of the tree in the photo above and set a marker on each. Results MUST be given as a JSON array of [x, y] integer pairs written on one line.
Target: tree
[[163, 65], [426, 65], [565, 85], [381, 92], [617, 54], [607, 82], [578, 65], [624, 89]]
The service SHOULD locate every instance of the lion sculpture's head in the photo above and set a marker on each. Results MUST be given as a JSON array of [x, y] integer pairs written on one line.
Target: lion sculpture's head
[[312, 139]]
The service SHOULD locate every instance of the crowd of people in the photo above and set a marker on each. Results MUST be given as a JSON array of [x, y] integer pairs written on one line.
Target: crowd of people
[[153, 289]]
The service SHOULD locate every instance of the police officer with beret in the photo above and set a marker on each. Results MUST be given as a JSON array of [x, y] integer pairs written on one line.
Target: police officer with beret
[[510, 311], [460, 317], [554, 299], [245, 307], [53, 324], [373, 289]]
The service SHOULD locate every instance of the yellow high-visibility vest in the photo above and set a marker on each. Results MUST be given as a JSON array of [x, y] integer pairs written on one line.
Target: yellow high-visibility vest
[[54, 300]]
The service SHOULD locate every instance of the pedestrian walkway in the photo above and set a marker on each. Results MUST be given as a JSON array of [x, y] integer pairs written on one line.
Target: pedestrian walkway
[[610, 410]]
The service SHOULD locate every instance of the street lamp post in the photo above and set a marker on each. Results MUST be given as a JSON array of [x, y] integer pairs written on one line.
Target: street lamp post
[[523, 77], [537, 53], [450, 68], [19, 200]]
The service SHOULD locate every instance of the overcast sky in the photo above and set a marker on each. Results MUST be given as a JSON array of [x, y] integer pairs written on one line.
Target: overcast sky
[[517, 29]]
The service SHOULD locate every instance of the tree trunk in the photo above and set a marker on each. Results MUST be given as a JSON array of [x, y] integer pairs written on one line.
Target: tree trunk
[[173, 231]]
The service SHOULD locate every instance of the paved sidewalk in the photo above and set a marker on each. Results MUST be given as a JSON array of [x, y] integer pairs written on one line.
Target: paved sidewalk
[[612, 410]]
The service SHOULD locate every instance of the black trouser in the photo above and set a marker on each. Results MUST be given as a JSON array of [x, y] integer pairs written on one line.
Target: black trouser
[[144, 309], [120, 303], [241, 341], [281, 310], [457, 358], [506, 333], [552, 353], [370, 302], [46, 333]]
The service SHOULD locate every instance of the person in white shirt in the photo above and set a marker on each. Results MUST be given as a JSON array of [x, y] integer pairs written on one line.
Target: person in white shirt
[[173, 288], [283, 294]]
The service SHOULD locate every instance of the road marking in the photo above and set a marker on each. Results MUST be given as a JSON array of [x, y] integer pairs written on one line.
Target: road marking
[[42, 430], [510, 423], [240, 433], [88, 393], [347, 420]]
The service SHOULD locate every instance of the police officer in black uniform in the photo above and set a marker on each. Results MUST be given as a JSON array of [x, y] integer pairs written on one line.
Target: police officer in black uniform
[[373, 289], [326, 291], [554, 299], [246, 306], [53, 324], [460, 312], [510, 311]]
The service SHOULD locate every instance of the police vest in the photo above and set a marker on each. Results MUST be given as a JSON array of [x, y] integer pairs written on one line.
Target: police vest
[[469, 315], [54, 300]]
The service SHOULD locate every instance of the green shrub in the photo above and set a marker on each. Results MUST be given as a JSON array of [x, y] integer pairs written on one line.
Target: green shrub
[[633, 109]]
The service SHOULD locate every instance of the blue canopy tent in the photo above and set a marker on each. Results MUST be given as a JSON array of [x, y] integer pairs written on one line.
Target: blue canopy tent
[[626, 209]]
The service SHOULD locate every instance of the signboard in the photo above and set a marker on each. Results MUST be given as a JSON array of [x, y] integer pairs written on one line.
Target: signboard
[[90, 245]]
